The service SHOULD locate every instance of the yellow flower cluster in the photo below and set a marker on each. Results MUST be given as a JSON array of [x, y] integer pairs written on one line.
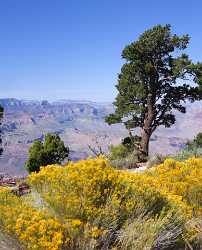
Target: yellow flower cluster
[[181, 182], [34, 229], [81, 190], [90, 199], [90, 196]]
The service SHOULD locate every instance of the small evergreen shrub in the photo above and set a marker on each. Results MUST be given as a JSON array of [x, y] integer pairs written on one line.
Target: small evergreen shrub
[[187, 152], [51, 151], [192, 149], [117, 152], [198, 140]]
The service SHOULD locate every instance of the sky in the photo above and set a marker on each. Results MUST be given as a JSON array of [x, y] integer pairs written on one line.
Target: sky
[[71, 49]]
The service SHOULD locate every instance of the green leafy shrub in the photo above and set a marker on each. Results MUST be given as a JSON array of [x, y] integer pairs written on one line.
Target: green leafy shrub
[[132, 142], [52, 151], [127, 154], [117, 152], [198, 140]]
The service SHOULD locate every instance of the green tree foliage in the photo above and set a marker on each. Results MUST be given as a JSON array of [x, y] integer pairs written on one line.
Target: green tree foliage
[[1, 116], [132, 142], [192, 148], [51, 151], [195, 143], [155, 79], [198, 140]]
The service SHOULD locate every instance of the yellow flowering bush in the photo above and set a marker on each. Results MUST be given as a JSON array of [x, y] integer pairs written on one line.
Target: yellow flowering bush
[[90, 205], [181, 182], [91, 198], [34, 229], [91, 188]]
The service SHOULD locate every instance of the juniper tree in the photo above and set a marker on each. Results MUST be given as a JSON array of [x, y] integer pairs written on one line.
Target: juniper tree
[[156, 79]]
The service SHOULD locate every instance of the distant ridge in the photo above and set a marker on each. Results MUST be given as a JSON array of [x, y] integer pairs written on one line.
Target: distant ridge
[[79, 123], [15, 101]]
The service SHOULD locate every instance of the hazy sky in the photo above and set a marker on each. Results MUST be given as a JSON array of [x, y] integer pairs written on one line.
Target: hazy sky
[[63, 49]]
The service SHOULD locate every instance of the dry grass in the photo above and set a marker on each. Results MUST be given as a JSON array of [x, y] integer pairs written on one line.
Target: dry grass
[[147, 233], [8, 243]]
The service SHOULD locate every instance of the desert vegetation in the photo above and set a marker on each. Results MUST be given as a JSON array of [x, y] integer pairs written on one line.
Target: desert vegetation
[[51, 151], [155, 80], [96, 203], [90, 205], [192, 148]]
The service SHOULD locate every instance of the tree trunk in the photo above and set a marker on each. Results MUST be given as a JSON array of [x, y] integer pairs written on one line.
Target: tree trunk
[[147, 128], [145, 143]]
